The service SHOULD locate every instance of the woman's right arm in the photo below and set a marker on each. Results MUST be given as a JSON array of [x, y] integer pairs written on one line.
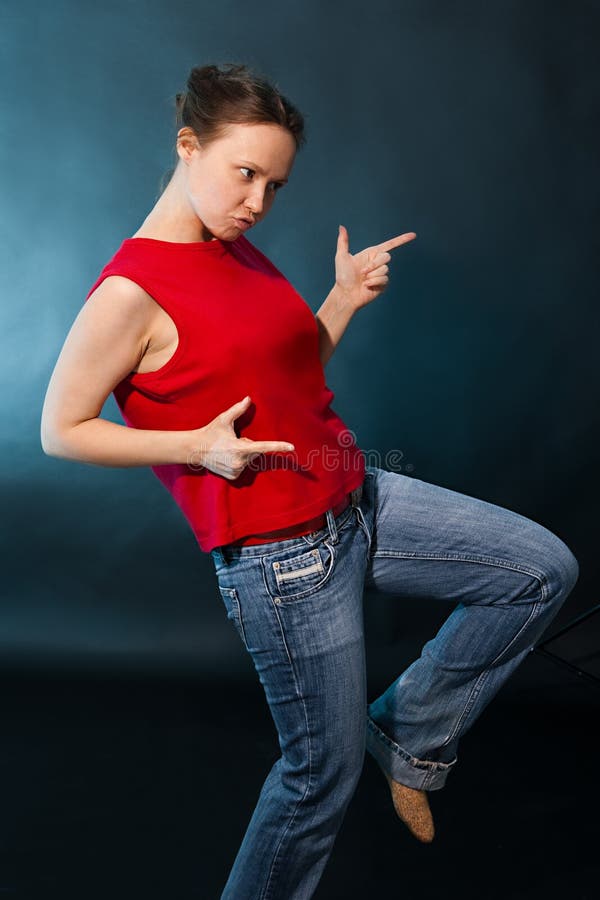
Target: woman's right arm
[[105, 343]]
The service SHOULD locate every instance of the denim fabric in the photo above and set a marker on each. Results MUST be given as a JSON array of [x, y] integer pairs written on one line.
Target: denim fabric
[[297, 606]]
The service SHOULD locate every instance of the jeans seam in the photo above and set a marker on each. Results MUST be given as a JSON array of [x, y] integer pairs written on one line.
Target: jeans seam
[[266, 893], [238, 610], [470, 558]]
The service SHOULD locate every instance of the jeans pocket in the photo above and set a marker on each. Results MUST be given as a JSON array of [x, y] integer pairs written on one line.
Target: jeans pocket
[[297, 573], [234, 612]]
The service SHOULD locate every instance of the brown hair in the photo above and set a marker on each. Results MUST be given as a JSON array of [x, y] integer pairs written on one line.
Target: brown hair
[[217, 97]]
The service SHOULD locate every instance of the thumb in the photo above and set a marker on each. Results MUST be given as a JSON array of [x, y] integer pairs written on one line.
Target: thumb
[[236, 410], [342, 241]]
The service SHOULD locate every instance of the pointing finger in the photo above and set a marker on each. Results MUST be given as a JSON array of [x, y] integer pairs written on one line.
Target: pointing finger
[[397, 241], [271, 446]]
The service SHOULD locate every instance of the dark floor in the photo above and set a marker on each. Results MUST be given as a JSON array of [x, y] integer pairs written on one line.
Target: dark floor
[[126, 789]]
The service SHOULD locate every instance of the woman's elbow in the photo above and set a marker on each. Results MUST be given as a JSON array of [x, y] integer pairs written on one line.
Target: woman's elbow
[[51, 441], [48, 443]]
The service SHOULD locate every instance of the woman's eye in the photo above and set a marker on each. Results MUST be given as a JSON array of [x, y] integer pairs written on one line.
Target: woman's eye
[[275, 184]]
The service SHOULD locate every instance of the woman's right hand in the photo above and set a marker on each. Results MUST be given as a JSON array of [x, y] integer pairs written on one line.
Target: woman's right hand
[[217, 447]]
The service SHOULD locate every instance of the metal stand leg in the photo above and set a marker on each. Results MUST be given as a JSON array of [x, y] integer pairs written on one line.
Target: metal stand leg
[[541, 647]]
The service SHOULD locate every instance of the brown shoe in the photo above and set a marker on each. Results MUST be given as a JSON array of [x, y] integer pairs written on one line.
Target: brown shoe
[[412, 807]]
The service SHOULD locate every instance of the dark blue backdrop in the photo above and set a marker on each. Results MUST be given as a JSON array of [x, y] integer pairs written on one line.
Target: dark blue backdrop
[[474, 125]]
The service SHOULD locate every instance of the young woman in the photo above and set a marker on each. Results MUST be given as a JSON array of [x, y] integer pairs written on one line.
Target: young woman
[[216, 363]]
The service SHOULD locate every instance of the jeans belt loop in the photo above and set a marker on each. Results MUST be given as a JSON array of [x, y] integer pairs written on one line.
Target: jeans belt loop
[[332, 526], [356, 496]]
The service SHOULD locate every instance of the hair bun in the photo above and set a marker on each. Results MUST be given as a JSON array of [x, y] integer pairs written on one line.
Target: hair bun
[[218, 95], [203, 73]]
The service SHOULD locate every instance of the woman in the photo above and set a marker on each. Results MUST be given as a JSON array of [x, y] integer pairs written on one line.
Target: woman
[[217, 366]]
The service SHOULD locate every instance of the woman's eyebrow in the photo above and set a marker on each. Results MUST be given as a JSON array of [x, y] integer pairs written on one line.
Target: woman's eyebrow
[[262, 172]]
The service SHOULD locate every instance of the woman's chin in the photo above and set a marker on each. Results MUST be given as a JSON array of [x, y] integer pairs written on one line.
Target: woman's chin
[[228, 233]]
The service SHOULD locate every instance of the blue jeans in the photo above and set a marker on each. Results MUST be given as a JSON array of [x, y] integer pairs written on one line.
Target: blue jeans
[[297, 605]]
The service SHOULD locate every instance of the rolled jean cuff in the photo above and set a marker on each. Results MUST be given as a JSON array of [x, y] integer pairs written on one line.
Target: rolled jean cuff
[[422, 774]]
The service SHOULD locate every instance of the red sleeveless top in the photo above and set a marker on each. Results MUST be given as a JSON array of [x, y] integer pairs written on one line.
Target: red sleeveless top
[[243, 330]]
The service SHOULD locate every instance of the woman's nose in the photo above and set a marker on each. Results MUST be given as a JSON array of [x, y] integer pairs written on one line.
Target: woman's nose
[[254, 207], [255, 202]]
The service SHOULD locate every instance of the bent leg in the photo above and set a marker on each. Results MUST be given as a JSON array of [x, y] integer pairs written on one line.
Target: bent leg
[[508, 577]]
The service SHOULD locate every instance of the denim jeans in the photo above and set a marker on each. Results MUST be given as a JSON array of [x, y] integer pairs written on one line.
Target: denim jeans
[[297, 606]]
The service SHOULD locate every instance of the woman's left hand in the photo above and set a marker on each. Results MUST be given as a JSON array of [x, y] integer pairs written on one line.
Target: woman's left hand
[[363, 276]]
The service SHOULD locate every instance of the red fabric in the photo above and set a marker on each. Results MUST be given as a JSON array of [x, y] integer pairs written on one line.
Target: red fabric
[[243, 330], [294, 530]]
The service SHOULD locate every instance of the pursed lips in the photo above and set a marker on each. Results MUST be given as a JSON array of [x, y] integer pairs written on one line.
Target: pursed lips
[[247, 222]]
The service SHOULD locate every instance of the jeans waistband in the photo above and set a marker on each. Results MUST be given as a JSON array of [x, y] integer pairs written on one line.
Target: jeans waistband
[[331, 521]]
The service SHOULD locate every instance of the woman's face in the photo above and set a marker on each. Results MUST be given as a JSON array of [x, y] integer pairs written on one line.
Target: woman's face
[[236, 176]]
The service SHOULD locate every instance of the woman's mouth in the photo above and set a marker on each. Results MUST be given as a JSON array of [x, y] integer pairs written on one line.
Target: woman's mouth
[[243, 224]]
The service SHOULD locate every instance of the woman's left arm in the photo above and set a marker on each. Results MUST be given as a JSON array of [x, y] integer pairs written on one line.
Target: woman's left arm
[[359, 279]]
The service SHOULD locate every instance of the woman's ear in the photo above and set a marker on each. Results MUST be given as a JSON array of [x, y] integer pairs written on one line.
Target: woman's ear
[[186, 144]]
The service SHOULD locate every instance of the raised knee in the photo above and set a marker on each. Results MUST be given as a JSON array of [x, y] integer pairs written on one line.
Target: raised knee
[[561, 566]]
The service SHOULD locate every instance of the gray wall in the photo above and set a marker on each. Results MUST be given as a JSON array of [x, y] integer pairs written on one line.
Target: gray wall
[[473, 124]]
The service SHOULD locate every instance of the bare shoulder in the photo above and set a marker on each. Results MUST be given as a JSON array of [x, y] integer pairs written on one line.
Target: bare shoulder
[[127, 312], [121, 289], [122, 299]]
